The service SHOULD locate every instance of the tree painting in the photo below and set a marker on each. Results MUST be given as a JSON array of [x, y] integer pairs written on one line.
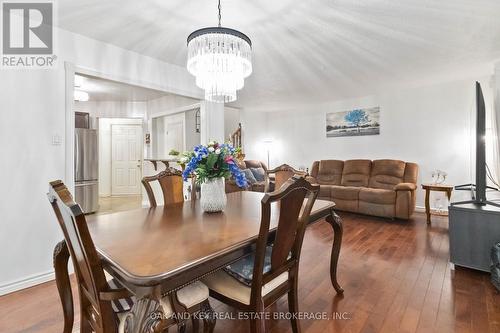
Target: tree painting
[[355, 122], [357, 118]]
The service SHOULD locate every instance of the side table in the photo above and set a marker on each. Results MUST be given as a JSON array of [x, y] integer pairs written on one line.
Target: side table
[[438, 188]]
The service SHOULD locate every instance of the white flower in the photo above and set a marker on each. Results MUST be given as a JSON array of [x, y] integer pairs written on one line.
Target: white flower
[[217, 151], [211, 149]]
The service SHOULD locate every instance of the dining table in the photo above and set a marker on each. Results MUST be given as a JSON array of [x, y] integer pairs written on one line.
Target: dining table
[[156, 251]]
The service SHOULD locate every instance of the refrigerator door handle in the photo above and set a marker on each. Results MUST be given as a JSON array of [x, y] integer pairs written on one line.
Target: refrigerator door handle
[[77, 155]]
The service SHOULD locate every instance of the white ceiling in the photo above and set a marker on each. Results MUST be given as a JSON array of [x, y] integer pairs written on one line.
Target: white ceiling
[[307, 51], [106, 90]]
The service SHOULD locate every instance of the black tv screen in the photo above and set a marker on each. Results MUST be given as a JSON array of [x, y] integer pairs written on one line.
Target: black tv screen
[[480, 146]]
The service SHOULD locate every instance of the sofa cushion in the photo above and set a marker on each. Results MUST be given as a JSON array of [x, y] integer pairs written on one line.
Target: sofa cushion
[[259, 174], [325, 191], [377, 196], [249, 176], [345, 192], [356, 173], [330, 172], [242, 270], [255, 164], [411, 173], [386, 174]]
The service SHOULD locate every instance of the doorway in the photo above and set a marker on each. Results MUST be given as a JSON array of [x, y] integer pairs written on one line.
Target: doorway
[[122, 114], [126, 159]]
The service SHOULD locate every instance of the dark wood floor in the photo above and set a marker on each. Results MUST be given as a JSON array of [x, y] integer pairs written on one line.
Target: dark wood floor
[[396, 278]]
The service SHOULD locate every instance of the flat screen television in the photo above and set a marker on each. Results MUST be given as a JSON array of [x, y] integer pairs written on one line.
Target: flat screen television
[[478, 190]]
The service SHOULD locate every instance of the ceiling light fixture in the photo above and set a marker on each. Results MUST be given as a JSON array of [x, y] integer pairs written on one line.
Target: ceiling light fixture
[[220, 59]]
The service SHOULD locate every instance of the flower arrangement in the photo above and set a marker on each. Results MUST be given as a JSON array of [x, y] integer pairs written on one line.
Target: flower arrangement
[[213, 161], [173, 152]]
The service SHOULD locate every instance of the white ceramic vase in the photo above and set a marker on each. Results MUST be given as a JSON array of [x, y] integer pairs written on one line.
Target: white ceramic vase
[[213, 195]]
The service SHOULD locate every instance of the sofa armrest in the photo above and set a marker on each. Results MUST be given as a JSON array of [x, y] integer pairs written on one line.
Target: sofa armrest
[[405, 187], [311, 180]]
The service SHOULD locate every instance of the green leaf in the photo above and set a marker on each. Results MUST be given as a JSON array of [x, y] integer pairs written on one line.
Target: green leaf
[[211, 160]]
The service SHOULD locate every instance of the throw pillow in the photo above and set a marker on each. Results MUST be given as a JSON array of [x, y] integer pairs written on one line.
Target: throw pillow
[[259, 174], [249, 176], [242, 270]]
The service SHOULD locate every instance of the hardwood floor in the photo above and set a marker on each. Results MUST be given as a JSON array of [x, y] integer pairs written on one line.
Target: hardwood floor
[[395, 274]]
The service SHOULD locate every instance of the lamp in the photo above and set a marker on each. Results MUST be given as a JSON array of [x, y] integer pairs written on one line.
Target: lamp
[[268, 143]]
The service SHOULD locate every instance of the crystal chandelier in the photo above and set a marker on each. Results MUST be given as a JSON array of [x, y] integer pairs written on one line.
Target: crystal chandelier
[[220, 59]]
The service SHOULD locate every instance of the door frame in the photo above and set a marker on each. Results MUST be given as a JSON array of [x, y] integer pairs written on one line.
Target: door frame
[[141, 158], [177, 111], [70, 69], [154, 138]]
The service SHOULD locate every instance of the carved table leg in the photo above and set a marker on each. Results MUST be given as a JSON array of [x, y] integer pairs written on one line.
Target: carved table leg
[[146, 316], [61, 257], [336, 222]]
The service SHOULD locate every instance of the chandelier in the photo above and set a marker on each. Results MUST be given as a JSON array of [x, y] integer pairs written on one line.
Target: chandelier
[[220, 59]]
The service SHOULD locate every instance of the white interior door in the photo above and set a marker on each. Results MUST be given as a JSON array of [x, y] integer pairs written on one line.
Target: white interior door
[[126, 159], [174, 137], [174, 133]]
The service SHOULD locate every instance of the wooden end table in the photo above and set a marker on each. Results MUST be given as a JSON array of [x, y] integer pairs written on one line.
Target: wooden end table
[[438, 188]]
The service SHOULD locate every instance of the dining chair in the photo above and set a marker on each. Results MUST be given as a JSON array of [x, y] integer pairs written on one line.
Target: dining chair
[[104, 302], [281, 175], [171, 184], [258, 280]]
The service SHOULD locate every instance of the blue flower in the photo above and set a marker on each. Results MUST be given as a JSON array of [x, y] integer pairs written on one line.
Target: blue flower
[[239, 176]]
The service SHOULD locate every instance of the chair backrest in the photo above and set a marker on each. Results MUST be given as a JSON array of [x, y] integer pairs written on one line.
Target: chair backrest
[[281, 175], [86, 262], [171, 184], [294, 201]]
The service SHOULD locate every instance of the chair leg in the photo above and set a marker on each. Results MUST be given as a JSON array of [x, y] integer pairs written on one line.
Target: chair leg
[[181, 328], [85, 325], [258, 323], [208, 317], [293, 308], [196, 324], [61, 257]]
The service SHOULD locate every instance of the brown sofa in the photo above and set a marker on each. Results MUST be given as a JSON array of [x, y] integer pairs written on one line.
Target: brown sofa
[[383, 188], [257, 187]]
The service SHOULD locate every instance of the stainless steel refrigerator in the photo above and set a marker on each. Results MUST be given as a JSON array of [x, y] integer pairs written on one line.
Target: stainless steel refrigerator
[[86, 169]]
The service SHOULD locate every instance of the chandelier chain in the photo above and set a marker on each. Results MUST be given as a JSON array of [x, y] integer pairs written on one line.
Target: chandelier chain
[[219, 14]]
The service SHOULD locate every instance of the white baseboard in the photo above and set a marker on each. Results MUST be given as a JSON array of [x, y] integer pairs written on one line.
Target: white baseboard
[[27, 282], [421, 209]]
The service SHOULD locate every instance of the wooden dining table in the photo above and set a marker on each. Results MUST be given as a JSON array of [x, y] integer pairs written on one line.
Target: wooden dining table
[[156, 251]]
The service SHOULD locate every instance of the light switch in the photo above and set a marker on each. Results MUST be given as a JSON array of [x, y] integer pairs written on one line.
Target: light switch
[[56, 140]]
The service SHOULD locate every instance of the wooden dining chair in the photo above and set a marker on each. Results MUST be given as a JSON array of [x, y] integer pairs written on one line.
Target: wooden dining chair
[[171, 183], [104, 302], [280, 174], [257, 281]]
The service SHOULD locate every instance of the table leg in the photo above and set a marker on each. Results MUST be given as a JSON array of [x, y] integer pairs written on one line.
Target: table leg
[[336, 222], [60, 259], [146, 316], [427, 206]]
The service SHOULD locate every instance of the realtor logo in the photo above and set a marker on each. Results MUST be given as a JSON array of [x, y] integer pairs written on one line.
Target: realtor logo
[[28, 34]]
